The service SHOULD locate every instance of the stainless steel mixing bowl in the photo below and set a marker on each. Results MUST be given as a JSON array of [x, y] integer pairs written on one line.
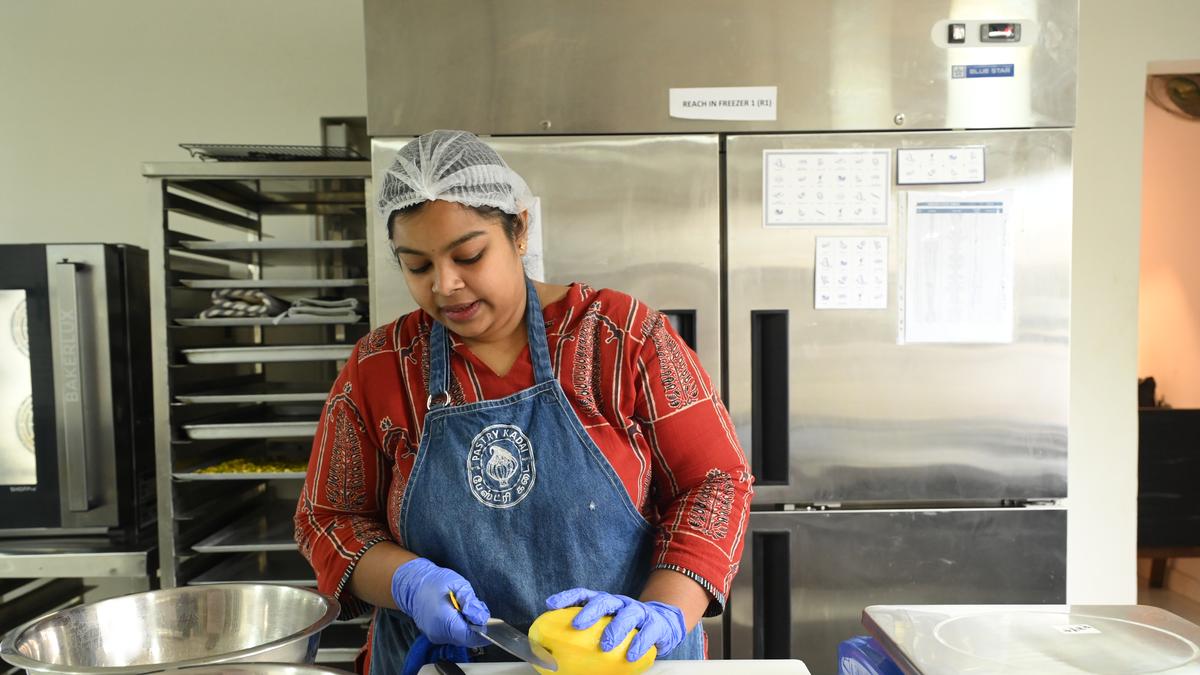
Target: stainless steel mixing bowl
[[254, 669], [173, 628]]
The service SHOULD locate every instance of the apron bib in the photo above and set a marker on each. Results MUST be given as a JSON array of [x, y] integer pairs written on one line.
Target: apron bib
[[515, 496]]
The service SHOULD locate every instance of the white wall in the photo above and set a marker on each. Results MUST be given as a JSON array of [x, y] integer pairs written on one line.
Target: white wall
[[1118, 40], [91, 89]]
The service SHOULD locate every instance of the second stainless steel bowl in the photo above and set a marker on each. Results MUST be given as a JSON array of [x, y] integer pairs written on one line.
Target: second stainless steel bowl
[[174, 628]]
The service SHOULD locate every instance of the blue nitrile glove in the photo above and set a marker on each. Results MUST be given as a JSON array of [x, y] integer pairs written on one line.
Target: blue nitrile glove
[[422, 591], [423, 652], [658, 623]]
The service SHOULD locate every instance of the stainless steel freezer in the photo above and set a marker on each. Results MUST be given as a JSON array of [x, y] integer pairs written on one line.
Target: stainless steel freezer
[[902, 469]]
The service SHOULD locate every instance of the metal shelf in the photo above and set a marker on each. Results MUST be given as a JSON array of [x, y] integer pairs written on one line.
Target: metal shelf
[[268, 529], [257, 170], [270, 256], [273, 283], [277, 567], [273, 245], [267, 354], [71, 557], [327, 655], [193, 476], [264, 392], [217, 381], [306, 428], [180, 204], [268, 322]]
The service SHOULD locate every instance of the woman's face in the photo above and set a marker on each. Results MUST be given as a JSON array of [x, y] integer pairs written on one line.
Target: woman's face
[[462, 269]]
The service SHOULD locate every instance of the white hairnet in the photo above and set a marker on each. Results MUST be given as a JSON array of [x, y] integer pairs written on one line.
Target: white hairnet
[[453, 166]]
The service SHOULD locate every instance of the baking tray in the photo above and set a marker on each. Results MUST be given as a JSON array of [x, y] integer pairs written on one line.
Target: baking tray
[[268, 321], [268, 354], [192, 474], [274, 245], [234, 430], [272, 283], [278, 567], [264, 392], [266, 529]]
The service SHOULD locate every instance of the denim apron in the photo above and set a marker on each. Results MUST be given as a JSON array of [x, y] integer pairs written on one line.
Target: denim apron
[[515, 496]]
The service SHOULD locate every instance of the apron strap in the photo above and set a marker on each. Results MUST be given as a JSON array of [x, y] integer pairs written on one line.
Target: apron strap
[[535, 323], [439, 368], [439, 351]]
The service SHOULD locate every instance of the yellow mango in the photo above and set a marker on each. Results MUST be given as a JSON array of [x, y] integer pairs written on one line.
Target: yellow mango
[[578, 651]]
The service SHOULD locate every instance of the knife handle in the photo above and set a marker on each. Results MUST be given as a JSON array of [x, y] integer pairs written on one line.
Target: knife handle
[[448, 668], [454, 602]]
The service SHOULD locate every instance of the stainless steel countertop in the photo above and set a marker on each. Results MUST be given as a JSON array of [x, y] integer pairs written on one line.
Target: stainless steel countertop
[[1043, 639]]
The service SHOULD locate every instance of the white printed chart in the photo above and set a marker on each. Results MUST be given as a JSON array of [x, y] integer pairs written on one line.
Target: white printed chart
[[826, 187], [851, 273]]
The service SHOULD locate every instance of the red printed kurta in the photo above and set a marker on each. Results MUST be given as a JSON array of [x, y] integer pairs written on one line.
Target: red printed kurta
[[637, 388]]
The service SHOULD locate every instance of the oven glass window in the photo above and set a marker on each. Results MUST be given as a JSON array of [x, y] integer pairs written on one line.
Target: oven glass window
[[18, 462]]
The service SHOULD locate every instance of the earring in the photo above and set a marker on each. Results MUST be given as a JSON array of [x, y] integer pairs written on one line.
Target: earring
[[522, 249]]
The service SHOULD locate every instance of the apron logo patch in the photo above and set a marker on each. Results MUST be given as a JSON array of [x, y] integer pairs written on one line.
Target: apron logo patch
[[500, 468]]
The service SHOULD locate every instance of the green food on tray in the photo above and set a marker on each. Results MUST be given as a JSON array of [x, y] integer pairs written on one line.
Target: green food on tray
[[269, 465]]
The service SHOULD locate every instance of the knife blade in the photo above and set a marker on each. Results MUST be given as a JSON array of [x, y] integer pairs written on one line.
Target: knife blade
[[511, 640]]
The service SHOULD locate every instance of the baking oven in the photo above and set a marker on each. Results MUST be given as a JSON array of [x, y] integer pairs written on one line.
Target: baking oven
[[76, 415]]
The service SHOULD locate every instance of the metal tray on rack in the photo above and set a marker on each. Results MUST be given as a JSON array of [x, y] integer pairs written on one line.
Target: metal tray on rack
[[267, 321], [279, 567], [264, 392], [274, 245], [258, 152], [267, 529], [262, 429], [272, 283], [337, 654], [193, 474], [268, 354]]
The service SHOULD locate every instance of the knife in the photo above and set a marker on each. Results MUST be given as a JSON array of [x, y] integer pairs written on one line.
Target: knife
[[511, 640]]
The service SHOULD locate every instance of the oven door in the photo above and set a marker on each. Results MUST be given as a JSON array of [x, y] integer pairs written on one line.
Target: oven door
[[64, 378]]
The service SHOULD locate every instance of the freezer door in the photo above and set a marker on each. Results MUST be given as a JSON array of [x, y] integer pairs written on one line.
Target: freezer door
[[639, 214], [807, 576], [541, 67], [833, 409]]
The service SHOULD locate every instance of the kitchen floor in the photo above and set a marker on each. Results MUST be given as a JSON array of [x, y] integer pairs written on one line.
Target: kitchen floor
[[1169, 600]]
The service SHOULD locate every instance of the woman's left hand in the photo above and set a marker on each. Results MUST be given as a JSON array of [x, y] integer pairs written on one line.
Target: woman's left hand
[[658, 623]]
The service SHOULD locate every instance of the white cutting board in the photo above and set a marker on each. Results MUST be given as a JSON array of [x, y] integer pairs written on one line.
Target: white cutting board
[[757, 667]]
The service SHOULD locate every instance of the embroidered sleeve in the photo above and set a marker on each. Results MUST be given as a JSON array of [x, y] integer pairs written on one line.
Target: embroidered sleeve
[[702, 482], [341, 513]]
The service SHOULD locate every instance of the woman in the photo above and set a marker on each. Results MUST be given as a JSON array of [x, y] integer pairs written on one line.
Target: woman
[[524, 445]]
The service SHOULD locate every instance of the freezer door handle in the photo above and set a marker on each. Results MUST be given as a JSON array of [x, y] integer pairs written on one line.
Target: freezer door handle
[[772, 595], [684, 323], [70, 371], [769, 373]]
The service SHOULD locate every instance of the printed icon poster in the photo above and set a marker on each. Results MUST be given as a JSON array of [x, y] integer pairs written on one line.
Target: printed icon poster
[[851, 273], [826, 187]]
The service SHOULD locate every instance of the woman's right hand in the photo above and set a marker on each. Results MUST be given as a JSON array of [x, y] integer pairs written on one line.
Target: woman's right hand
[[422, 590]]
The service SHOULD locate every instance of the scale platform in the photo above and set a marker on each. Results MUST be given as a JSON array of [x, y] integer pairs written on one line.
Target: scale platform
[[1044, 639]]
